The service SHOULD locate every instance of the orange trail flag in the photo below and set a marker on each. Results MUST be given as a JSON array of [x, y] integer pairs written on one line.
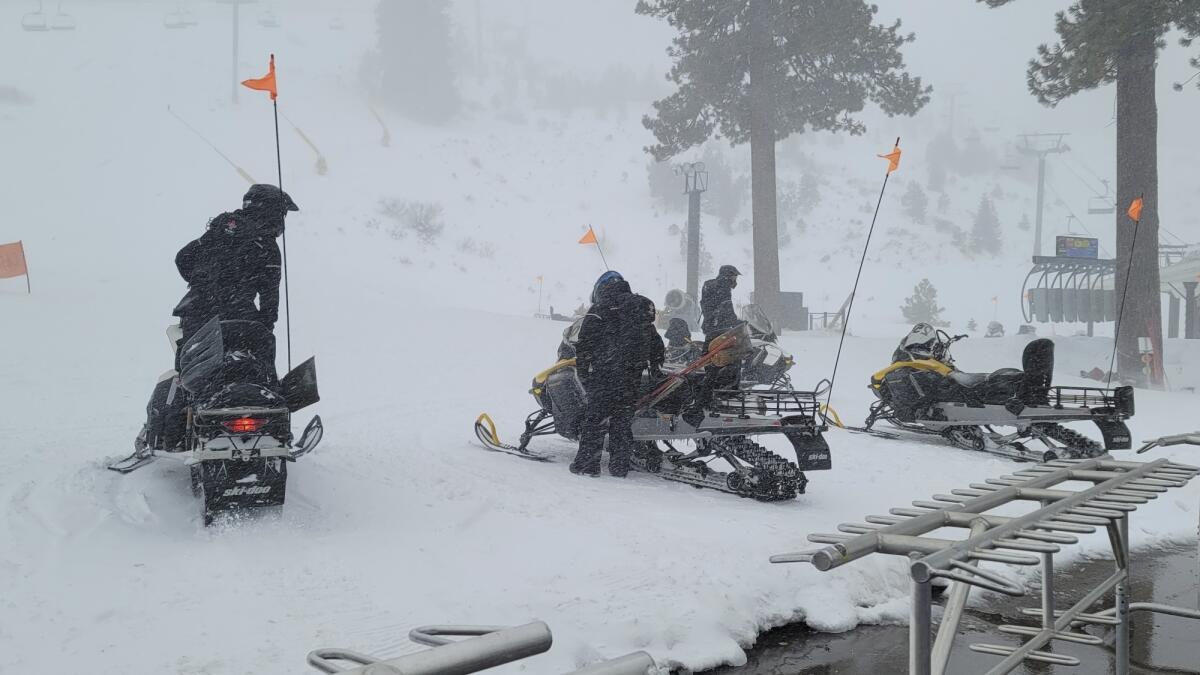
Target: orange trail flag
[[12, 262], [590, 237], [1135, 209], [893, 157], [266, 82]]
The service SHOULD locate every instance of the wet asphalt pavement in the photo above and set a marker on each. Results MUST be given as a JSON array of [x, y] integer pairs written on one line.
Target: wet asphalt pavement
[[1161, 644]]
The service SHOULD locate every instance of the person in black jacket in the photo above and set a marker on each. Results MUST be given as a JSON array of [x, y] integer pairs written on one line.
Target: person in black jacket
[[716, 303], [617, 342], [234, 263]]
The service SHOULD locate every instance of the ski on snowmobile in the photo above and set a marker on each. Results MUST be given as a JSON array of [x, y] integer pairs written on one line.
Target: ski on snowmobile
[[485, 431], [922, 394]]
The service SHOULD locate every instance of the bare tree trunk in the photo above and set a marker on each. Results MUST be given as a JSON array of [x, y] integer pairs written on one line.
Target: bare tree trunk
[[1137, 174], [762, 160]]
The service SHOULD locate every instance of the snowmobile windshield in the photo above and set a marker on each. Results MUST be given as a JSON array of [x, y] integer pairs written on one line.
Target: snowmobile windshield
[[920, 343], [760, 325]]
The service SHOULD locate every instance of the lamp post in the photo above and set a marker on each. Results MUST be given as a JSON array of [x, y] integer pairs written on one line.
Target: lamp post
[[695, 183]]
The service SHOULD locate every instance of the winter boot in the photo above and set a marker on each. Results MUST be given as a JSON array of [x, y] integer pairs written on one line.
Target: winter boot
[[586, 468]]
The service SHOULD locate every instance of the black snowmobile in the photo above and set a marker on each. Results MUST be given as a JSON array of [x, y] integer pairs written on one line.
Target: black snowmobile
[[238, 434], [722, 431], [923, 392]]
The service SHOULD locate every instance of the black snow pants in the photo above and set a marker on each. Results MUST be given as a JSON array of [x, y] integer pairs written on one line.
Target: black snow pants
[[608, 414]]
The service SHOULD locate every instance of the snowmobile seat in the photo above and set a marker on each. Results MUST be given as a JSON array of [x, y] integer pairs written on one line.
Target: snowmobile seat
[[973, 380]]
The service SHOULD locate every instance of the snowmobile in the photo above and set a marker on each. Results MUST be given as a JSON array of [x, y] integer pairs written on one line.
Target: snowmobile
[[237, 437], [722, 430], [922, 392]]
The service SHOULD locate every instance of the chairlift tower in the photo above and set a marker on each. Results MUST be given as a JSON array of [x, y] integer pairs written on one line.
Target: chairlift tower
[[695, 183], [1041, 145], [235, 5]]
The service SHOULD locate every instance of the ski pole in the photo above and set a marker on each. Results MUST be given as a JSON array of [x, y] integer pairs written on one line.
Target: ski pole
[[894, 163]]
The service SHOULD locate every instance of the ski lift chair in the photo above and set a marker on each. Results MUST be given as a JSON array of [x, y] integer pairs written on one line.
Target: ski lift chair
[[1101, 206], [35, 21], [62, 20]]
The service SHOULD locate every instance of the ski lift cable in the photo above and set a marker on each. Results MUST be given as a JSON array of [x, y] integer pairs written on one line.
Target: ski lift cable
[[1102, 181], [1085, 183], [1108, 197]]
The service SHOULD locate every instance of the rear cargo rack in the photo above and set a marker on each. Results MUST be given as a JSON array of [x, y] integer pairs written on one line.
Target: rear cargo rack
[[765, 402], [1119, 400]]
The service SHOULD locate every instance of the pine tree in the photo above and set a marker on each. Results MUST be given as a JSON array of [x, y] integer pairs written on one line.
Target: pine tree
[[941, 154], [415, 59], [759, 71], [1115, 41], [1024, 224], [810, 191], [985, 234], [972, 326], [915, 203], [922, 307]]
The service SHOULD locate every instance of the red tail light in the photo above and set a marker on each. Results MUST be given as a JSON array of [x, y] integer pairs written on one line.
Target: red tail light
[[244, 425]]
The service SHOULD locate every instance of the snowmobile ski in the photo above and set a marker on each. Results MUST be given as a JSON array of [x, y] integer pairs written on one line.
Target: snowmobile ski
[[485, 431], [133, 462]]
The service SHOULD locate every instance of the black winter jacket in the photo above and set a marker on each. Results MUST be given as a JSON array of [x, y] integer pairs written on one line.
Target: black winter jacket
[[716, 303], [226, 272]]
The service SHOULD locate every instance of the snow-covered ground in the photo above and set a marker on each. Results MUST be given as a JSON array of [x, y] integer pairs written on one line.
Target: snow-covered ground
[[400, 519]]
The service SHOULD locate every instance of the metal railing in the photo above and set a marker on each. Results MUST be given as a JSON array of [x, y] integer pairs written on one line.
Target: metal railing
[[1117, 489], [485, 647]]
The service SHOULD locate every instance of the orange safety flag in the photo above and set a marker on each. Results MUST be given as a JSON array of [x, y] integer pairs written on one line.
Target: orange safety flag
[[1135, 209], [266, 82], [12, 260], [893, 158], [590, 237]]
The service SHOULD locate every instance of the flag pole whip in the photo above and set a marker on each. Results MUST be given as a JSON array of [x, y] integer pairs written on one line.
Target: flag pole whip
[[287, 302], [269, 83], [1137, 221], [601, 250], [894, 159]]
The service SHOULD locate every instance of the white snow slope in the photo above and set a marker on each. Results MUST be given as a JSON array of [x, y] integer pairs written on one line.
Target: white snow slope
[[399, 519]]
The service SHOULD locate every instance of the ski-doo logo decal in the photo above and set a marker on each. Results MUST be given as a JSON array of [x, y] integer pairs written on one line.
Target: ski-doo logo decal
[[244, 490]]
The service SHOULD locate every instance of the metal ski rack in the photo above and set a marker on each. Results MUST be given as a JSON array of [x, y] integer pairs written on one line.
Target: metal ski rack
[[1117, 488], [485, 647]]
